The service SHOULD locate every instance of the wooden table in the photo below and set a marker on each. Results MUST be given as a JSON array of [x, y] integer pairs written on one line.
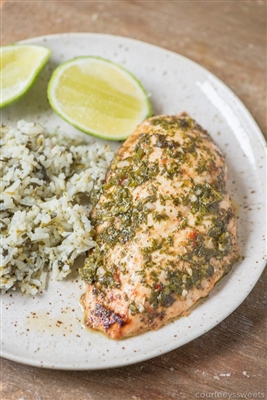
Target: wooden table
[[229, 39]]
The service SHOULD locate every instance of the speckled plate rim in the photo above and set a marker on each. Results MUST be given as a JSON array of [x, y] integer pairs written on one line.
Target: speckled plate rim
[[205, 316]]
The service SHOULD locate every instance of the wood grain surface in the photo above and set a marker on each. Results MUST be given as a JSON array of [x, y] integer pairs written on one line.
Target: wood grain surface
[[229, 39]]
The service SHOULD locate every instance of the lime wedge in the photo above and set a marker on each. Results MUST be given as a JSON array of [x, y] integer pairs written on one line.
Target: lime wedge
[[98, 97], [19, 67]]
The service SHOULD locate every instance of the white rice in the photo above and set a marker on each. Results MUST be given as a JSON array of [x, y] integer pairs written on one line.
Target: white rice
[[44, 225]]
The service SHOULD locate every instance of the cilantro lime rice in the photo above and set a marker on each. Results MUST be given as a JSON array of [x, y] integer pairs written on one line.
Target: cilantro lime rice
[[44, 224]]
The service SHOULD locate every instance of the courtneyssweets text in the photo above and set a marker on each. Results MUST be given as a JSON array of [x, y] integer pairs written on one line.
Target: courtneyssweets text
[[230, 395]]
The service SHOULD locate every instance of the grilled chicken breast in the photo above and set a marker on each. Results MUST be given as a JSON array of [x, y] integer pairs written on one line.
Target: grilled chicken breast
[[164, 226]]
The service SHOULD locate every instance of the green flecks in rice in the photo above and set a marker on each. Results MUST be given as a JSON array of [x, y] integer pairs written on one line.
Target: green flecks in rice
[[43, 224]]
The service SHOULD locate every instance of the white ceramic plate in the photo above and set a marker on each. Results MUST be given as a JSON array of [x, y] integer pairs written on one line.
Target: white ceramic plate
[[46, 330]]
